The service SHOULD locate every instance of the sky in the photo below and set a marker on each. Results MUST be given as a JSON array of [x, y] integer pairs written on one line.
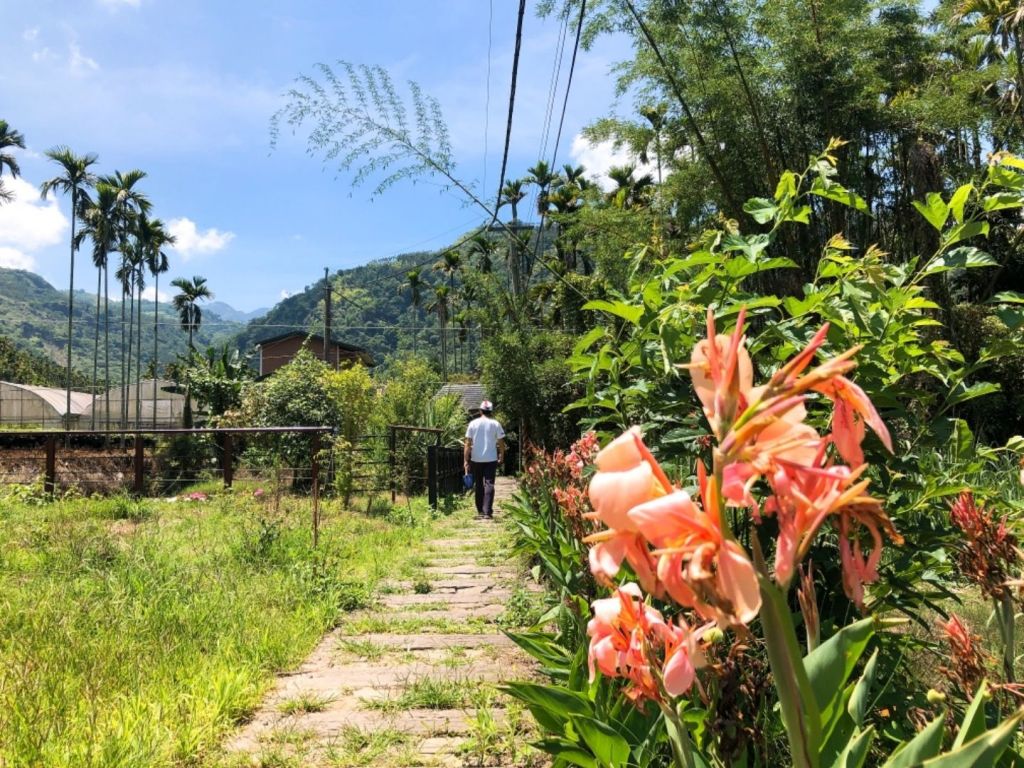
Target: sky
[[184, 90]]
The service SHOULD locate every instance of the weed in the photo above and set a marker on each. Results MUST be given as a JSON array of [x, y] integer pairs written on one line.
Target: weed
[[363, 649], [523, 609], [422, 586], [365, 625], [428, 693], [359, 747], [305, 703]]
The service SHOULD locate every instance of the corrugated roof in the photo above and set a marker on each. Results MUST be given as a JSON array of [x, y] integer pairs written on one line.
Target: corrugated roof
[[56, 398], [470, 394]]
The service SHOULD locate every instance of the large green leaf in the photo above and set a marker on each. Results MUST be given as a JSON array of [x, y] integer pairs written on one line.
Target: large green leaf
[[830, 664], [858, 704], [856, 750], [1007, 297], [569, 751], [959, 258], [608, 747], [958, 200], [974, 719], [839, 194], [963, 394], [551, 706], [966, 231], [761, 209], [934, 210], [982, 751], [627, 312], [923, 746]]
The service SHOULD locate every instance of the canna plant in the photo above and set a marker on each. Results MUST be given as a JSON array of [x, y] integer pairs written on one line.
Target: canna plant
[[684, 551]]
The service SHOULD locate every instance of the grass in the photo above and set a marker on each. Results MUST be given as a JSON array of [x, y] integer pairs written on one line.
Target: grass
[[428, 693], [359, 747], [374, 624], [305, 703], [362, 649], [145, 648]]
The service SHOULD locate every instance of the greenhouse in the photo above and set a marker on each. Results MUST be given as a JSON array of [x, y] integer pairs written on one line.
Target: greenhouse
[[22, 404]]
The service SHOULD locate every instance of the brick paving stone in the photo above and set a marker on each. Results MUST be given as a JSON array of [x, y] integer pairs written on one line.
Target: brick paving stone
[[361, 693]]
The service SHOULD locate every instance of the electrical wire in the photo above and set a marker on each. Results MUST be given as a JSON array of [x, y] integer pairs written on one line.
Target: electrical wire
[[511, 105]]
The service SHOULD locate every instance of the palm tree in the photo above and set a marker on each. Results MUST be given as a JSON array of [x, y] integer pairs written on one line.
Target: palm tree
[[191, 316], [512, 194], [542, 176], [156, 239], [186, 302], [1001, 23], [441, 305], [9, 138], [414, 284], [99, 224], [130, 203], [449, 263], [483, 248], [75, 178], [629, 192]]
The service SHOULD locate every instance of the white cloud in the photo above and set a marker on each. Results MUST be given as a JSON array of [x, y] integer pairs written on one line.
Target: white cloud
[[189, 241], [79, 63], [43, 54], [598, 158], [149, 295], [30, 34], [28, 224], [12, 258], [285, 294]]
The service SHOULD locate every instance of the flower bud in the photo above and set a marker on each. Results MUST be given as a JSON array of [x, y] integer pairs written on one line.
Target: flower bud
[[713, 636], [936, 697]]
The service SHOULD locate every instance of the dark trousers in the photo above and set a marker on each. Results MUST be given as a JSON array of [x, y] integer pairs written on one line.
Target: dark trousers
[[483, 486]]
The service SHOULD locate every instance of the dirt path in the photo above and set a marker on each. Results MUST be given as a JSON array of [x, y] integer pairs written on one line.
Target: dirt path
[[409, 682]]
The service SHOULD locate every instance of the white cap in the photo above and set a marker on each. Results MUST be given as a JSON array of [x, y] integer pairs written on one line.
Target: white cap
[[486, 405]]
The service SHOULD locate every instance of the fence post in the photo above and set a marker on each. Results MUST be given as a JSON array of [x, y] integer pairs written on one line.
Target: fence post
[[315, 472], [432, 476], [50, 473], [229, 463], [137, 464], [392, 463]]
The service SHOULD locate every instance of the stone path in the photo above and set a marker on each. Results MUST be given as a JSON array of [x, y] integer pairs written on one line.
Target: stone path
[[409, 682]]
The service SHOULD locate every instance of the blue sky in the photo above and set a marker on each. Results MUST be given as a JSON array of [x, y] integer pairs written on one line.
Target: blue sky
[[184, 90]]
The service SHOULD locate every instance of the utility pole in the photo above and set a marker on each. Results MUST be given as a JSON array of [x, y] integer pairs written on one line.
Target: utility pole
[[327, 316]]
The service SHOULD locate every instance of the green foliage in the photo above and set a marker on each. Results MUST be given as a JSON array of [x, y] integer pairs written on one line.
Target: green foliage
[[26, 366], [526, 375], [216, 379]]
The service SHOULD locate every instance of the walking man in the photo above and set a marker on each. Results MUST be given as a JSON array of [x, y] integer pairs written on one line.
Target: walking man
[[484, 449]]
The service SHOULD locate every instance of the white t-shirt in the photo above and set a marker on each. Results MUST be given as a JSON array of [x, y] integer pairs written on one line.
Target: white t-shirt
[[485, 433]]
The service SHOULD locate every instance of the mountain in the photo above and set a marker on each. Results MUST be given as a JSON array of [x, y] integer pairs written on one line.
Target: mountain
[[34, 316], [227, 312]]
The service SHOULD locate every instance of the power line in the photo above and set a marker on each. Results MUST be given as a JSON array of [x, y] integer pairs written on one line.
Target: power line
[[511, 104]]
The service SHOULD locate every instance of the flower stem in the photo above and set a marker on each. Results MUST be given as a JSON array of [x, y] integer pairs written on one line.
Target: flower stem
[[800, 715], [1005, 617], [678, 737]]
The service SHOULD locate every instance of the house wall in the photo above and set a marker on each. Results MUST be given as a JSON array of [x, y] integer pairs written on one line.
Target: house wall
[[275, 354]]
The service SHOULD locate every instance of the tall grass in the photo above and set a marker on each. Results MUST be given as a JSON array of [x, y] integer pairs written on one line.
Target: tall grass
[[138, 634]]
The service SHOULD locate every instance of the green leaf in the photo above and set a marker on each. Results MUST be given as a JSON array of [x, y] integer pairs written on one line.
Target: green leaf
[[1007, 297], [568, 751], [786, 187], [858, 705], [923, 746], [934, 210], [966, 232], [588, 340], [627, 312], [1002, 201], [830, 664], [979, 389], [856, 750], [751, 245], [965, 257], [982, 751], [974, 718], [608, 747], [839, 194], [761, 209], [551, 706], [958, 200], [737, 268]]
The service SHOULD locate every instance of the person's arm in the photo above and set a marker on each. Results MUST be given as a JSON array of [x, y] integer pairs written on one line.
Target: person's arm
[[467, 451], [501, 450]]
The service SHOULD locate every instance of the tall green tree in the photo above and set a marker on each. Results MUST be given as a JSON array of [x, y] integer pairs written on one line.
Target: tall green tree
[[441, 306], [155, 240], [186, 303], [75, 179], [9, 139], [414, 284]]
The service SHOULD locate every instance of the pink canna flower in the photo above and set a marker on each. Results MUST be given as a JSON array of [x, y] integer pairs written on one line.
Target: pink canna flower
[[631, 640], [699, 567], [852, 411], [722, 374], [627, 475]]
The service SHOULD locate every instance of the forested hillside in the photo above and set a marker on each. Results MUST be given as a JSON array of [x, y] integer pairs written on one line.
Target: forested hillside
[[28, 367], [33, 317]]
